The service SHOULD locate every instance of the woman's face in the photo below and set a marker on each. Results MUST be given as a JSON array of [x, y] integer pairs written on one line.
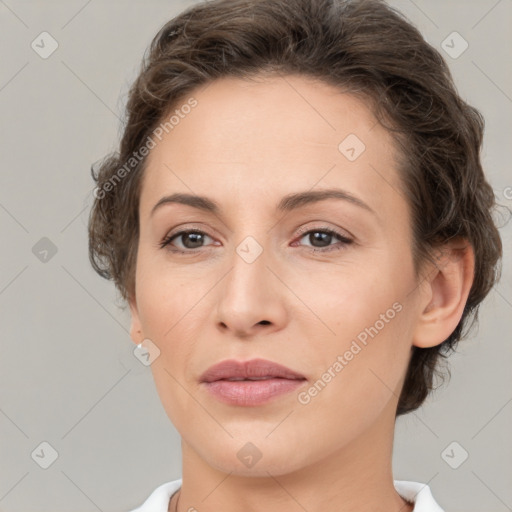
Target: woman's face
[[268, 279]]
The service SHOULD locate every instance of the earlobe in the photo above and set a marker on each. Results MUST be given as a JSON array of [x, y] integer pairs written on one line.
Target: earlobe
[[446, 290], [135, 326]]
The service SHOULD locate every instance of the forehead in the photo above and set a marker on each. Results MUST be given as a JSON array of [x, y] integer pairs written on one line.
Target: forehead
[[271, 135]]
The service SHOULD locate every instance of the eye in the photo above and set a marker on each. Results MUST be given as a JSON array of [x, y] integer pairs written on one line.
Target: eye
[[189, 240], [322, 238]]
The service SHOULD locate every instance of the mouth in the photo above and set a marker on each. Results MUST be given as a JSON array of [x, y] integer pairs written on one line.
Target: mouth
[[250, 383]]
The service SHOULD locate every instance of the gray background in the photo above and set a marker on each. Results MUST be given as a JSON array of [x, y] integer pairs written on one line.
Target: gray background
[[68, 375]]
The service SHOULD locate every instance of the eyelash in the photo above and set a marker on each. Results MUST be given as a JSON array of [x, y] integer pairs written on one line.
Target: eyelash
[[343, 240]]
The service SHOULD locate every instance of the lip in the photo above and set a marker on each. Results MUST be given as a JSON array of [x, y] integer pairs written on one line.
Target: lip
[[254, 368], [272, 380]]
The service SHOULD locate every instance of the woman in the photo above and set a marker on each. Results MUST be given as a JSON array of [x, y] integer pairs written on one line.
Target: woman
[[299, 222]]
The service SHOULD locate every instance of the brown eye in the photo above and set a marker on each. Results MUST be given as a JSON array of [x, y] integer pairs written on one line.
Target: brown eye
[[186, 240], [321, 239]]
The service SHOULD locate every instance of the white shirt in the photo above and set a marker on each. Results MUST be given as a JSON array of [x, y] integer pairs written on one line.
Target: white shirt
[[414, 492]]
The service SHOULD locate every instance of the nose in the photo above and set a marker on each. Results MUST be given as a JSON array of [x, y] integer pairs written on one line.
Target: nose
[[251, 298]]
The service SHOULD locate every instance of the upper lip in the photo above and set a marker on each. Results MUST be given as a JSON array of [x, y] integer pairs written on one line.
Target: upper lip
[[248, 369]]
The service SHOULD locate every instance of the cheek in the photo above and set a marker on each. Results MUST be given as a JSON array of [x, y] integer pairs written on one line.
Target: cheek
[[167, 296], [168, 317], [166, 301], [371, 314], [352, 297], [358, 377]]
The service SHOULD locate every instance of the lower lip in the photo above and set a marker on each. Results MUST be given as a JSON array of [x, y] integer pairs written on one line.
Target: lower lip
[[251, 392]]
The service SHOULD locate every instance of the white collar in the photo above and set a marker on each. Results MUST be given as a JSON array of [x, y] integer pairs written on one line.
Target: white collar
[[414, 492]]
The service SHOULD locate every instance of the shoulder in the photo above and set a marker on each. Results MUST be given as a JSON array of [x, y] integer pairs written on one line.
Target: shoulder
[[158, 500], [419, 494]]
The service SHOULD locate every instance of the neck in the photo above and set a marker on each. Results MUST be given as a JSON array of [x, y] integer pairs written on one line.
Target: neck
[[353, 478]]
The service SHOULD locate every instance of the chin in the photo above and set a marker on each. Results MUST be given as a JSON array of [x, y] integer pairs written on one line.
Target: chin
[[274, 465], [258, 458]]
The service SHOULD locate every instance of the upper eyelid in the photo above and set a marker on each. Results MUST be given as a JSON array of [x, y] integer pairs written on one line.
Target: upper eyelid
[[300, 232], [184, 232], [337, 231]]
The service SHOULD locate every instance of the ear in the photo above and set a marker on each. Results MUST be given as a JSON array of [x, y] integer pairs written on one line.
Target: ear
[[136, 333], [444, 293]]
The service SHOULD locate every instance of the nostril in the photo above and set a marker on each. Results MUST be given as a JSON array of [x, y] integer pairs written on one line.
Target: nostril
[[264, 322]]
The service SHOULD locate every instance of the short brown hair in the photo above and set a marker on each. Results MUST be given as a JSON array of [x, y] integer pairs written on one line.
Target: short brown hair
[[363, 47]]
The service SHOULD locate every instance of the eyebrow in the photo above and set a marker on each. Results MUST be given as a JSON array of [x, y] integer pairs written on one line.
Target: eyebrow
[[286, 204]]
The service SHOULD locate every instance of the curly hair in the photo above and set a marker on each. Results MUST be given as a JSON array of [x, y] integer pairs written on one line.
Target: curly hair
[[363, 47]]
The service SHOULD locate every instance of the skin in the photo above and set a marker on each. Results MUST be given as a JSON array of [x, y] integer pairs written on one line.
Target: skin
[[245, 146]]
